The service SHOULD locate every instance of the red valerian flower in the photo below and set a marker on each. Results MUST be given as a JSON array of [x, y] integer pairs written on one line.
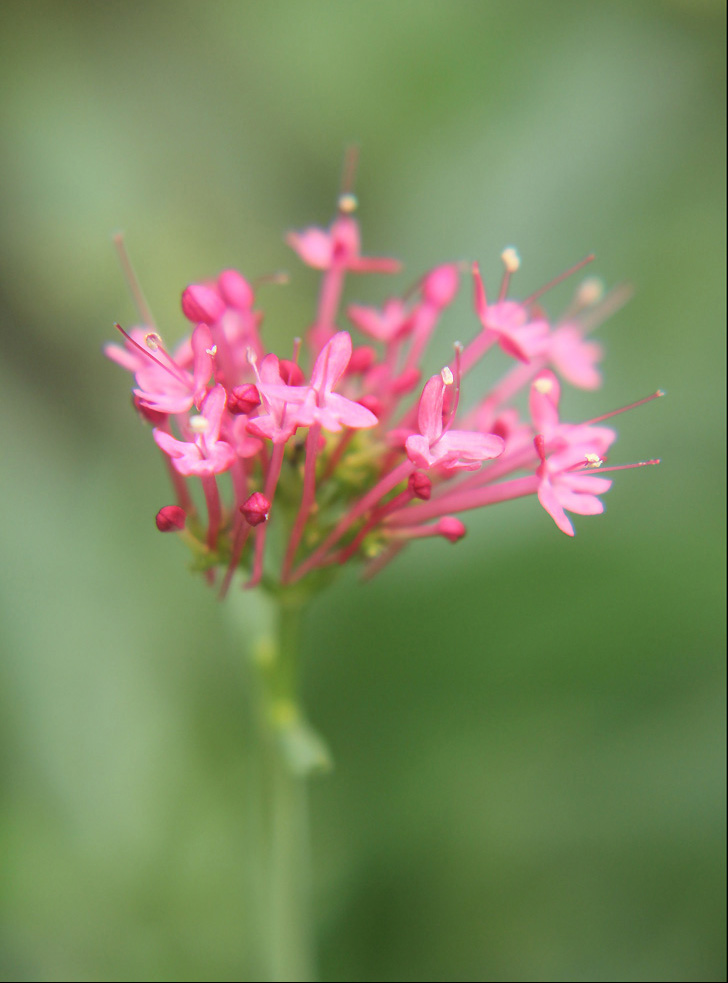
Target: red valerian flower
[[341, 448]]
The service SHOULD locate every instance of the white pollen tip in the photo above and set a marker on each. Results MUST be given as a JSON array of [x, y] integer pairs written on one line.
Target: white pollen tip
[[212, 352], [348, 203], [152, 341], [593, 460], [590, 291], [447, 377], [511, 259], [543, 386], [198, 423]]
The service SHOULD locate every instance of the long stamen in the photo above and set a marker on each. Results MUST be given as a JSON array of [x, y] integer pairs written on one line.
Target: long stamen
[[154, 342], [512, 263], [348, 177], [458, 380], [277, 277], [620, 467], [562, 276], [614, 301], [145, 351], [132, 282], [623, 409]]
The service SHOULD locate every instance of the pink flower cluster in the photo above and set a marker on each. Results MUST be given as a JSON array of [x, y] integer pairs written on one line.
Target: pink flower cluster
[[343, 450]]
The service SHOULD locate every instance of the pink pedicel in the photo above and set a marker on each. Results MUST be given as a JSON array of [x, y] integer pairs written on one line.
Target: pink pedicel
[[345, 449]]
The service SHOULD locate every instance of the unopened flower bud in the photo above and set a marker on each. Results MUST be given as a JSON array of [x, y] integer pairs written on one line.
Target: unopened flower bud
[[255, 509], [451, 528], [362, 358], [171, 518], [372, 403], [235, 290], [440, 285], [202, 304], [420, 485], [406, 381], [243, 399]]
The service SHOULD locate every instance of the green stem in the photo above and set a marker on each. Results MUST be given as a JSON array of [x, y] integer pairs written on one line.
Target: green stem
[[290, 943], [290, 752]]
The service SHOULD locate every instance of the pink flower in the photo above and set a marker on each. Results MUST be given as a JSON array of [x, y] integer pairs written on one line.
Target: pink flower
[[331, 445], [339, 247], [575, 358], [316, 402], [452, 449], [206, 454], [383, 324], [168, 388], [564, 486], [321, 405], [508, 322], [282, 416], [544, 406]]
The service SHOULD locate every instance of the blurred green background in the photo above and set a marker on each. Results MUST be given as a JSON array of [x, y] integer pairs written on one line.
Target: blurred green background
[[528, 729]]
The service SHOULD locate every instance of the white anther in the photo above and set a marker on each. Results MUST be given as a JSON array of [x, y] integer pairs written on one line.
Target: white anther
[[593, 460], [590, 291], [447, 377], [543, 386], [348, 203], [511, 259], [198, 423], [212, 352], [152, 341]]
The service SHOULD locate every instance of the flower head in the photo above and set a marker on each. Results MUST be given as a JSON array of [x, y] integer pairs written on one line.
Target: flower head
[[342, 447]]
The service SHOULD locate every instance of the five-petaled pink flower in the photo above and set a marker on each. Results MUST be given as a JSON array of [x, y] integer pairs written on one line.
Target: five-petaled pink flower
[[206, 454], [454, 450]]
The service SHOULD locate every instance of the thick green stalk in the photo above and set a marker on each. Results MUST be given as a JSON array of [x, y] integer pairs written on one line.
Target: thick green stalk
[[290, 751]]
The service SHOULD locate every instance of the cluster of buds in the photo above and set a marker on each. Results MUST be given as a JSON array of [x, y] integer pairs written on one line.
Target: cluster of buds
[[343, 450]]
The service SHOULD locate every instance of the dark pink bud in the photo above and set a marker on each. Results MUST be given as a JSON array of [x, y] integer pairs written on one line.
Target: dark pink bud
[[235, 290], [291, 374], [500, 427], [420, 485], [451, 528], [406, 382], [171, 518], [361, 360], [255, 510], [440, 285], [372, 403], [243, 399], [151, 416], [202, 304]]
